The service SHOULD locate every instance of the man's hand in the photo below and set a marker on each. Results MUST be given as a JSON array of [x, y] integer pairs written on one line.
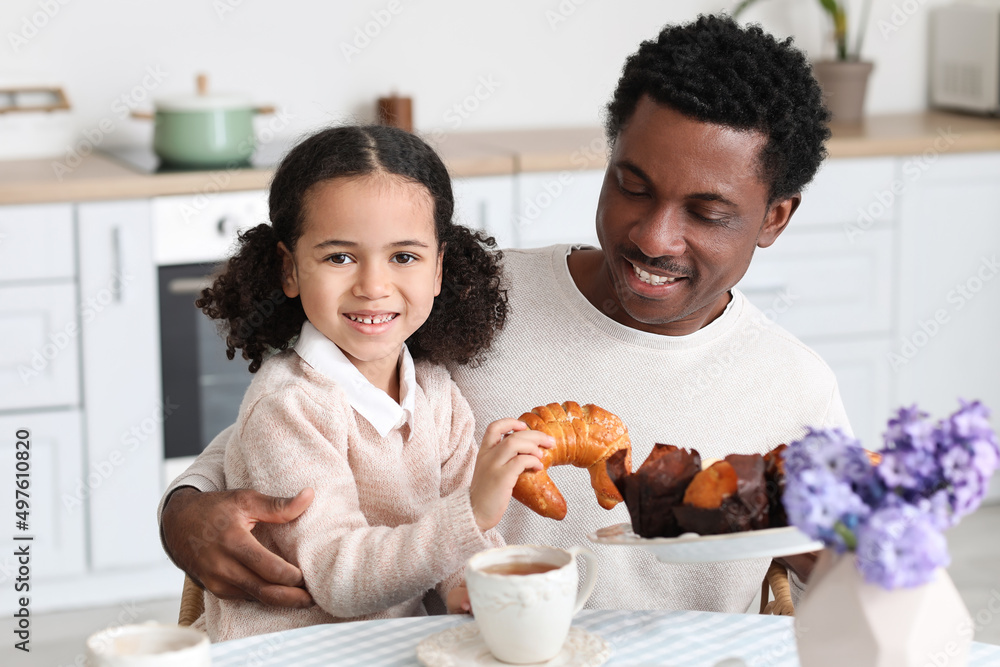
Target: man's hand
[[208, 535]]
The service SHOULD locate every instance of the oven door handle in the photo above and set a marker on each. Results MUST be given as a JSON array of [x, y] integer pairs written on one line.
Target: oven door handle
[[188, 285]]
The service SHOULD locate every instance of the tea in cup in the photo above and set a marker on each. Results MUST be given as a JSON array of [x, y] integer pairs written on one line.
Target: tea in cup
[[148, 645], [524, 598]]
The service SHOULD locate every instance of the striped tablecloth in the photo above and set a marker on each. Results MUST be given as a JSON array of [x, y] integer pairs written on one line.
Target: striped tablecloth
[[664, 639]]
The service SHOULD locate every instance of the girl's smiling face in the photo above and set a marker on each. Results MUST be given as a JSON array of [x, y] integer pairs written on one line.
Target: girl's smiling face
[[367, 266]]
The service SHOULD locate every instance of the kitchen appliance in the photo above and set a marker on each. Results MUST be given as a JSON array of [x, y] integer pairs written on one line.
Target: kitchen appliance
[[204, 130], [190, 238], [965, 56], [143, 160]]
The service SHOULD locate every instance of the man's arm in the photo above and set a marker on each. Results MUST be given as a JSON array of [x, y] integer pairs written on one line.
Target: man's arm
[[207, 473], [207, 533]]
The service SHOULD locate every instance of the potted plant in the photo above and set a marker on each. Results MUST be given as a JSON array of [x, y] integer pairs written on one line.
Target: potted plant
[[844, 79], [879, 595]]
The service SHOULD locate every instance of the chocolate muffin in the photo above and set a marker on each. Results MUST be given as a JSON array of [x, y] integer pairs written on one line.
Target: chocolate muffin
[[653, 491], [727, 497]]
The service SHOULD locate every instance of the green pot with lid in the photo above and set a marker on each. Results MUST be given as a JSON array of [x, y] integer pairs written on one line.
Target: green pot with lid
[[204, 131]]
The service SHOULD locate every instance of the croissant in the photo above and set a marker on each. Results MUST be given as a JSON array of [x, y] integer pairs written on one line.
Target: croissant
[[585, 437]]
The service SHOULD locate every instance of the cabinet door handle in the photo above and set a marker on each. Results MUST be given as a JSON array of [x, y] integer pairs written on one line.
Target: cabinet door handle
[[776, 288], [117, 279]]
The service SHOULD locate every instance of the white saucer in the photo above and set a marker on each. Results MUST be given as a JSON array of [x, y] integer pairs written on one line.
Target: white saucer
[[692, 548], [462, 645]]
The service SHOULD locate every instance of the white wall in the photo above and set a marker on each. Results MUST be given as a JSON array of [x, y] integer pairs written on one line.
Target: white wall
[[290, 54]]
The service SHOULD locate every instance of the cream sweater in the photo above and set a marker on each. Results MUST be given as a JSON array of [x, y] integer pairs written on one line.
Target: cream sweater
[[391, 517], [741, 384]]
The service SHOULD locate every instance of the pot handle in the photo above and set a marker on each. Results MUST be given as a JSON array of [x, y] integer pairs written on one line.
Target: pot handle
[[142, 115], [266, 109]]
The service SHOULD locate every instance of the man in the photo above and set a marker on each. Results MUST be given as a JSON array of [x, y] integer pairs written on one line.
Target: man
[[715, 130]]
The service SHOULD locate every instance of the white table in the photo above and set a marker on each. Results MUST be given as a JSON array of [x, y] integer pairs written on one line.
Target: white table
[[665, 639]]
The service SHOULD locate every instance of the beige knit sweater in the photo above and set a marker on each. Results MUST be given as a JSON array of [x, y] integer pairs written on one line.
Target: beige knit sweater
[[391, 517], [741, 384]]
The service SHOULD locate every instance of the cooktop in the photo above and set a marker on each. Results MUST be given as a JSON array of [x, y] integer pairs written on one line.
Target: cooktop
[[143, 160]]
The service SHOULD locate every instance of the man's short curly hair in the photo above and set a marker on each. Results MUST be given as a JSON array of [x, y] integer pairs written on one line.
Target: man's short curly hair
[[715, 71]]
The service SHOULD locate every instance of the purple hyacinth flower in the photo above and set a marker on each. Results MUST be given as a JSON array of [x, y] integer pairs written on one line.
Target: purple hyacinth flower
[[971, 422], [816, 502], [831, 449], [909, 469], [900, 546], [938, 508], [910, 429]]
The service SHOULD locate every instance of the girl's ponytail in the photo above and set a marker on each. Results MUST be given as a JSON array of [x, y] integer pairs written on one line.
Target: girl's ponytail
[[472, 305], [247, 298]]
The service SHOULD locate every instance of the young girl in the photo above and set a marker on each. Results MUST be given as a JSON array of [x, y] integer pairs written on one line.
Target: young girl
[[371, 287]]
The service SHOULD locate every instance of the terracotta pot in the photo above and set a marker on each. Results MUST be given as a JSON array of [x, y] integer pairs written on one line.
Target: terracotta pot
[[844, 83], [842, 620]]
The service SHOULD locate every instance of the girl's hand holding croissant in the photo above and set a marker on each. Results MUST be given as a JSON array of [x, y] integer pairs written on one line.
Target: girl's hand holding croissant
[[508, 449]]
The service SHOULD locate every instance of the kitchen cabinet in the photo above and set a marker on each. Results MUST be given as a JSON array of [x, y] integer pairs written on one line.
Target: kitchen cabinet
[[486, 203], [55, 466], [836, 297], [39, 358], [37, 242], [890, 264], [865, 383], [848, 193], [948, 309], [38, 320], [530, 210], [825, 285], [121, 383], [829, 279], [556, 207]]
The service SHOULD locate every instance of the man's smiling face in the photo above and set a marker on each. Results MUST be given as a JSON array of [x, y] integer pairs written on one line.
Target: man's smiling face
[[682, 208]]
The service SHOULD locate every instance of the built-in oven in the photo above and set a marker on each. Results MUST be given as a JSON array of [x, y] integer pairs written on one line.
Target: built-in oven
[[193, 234]]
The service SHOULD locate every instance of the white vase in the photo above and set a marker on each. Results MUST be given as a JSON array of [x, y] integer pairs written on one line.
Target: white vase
[[842, 620]]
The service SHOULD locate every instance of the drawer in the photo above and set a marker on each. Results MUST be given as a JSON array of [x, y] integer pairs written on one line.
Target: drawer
[[818, 284], [960, 168], [557, 207], [202, 228], [39, 358], [57, 489], [37, 242], [865, 382], [848, 191], [487, 204]]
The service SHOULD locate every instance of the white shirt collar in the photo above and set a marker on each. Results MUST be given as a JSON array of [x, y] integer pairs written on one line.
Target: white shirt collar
[[368, 400]]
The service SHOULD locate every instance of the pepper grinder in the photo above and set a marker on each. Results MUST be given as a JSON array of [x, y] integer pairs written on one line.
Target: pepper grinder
[[396, 111]]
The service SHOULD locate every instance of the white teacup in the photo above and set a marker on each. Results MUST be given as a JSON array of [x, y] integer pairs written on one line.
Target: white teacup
[[148, 645], [523, 612]]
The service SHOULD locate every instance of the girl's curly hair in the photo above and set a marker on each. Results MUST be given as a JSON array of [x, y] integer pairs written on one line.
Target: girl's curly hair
[[247, 297]]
